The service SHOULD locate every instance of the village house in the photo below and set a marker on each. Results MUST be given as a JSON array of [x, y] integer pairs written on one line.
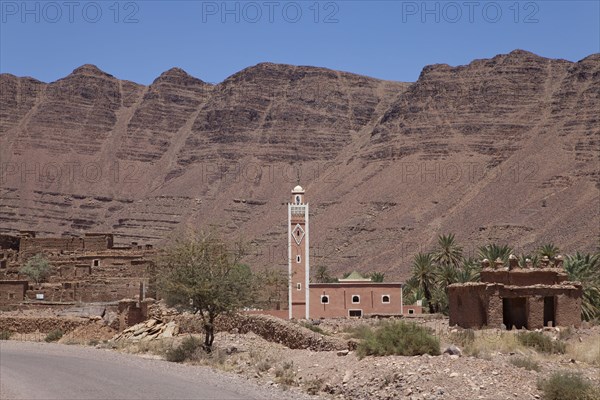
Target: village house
[[517, 297]]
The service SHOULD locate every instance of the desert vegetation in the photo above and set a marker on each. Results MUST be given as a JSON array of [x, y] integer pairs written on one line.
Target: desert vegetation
[[395, 338], [567, 385], [37, 268], [200, 273]]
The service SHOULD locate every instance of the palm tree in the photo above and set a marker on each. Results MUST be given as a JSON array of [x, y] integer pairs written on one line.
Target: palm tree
[[322, 275], [533, 257], [494, 251], [469, 271], [424, 275], [445, 276], [412, 294], [586, 269], [448, 252], [549, 250], [377, 276]]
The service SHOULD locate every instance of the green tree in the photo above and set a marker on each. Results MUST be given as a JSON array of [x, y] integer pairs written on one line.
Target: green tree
[[274, 288], [448, 253], [37, 268], [469, 271], [423, 273], [377, 276], [549, 250], [322, 275], [494, 251], [586, 269], [199, 272]]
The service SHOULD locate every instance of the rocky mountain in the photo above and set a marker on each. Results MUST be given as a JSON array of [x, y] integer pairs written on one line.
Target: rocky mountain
[[504, 149]]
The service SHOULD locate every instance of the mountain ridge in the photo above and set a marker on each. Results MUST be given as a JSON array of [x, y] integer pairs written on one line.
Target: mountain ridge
[[500, 150]]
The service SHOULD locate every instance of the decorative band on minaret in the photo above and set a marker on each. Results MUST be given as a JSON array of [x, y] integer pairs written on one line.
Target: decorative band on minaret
[[298, 255]]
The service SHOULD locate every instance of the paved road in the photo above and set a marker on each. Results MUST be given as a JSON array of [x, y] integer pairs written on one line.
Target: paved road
[[51, 371]]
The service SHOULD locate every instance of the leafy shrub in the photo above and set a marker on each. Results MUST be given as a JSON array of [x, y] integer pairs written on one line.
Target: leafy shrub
[[567, 385], [541, 342], [359, 332], [5, 335], [54, 336], [37, 268], [399, 338], [187, 350], [527, 363]]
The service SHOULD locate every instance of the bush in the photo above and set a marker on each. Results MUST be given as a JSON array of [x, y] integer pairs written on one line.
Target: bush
[[399, 338], [567, 385], [5, 335], [37, 268], [359, 332], [541, 342], [54, 336], [527, 363], [187, 350], [312, 327]]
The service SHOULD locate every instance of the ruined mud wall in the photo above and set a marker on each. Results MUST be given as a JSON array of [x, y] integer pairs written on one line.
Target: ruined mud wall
[[30, 246], [468, 305], [525, 277]]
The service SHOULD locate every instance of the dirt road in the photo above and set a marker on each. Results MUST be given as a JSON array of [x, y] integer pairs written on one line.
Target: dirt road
[[51, 371]]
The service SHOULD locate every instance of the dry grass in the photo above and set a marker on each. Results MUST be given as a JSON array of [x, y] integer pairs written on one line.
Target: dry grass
[[487, 342], [587, 351], [527, 363]]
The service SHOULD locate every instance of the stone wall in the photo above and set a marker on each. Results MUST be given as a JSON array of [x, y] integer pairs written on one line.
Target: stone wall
[[40, 324], [270, 328]]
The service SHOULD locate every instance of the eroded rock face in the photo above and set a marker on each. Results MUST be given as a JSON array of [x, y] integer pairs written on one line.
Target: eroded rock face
[[494, 151]]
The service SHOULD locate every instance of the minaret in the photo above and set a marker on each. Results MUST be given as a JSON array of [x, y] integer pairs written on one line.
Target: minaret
[[299, 266]]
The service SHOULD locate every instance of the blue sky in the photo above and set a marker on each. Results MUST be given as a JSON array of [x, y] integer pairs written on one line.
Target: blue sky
[[138, 40]]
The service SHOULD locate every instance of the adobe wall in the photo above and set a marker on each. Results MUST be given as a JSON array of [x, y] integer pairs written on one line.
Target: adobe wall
[[568, 309], [469, 308], [30, 246], [98, 242], [340, 299], [12, 292], [535, 312], [524, 277]]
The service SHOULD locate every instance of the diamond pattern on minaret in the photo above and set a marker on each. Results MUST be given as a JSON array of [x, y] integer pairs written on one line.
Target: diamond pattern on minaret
[[298, 233]]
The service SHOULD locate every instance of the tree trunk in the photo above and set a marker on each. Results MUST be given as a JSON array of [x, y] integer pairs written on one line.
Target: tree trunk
[[209, 335]]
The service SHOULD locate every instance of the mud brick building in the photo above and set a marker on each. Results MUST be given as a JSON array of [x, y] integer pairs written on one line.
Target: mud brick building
[[89, 268], [517, 297]]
